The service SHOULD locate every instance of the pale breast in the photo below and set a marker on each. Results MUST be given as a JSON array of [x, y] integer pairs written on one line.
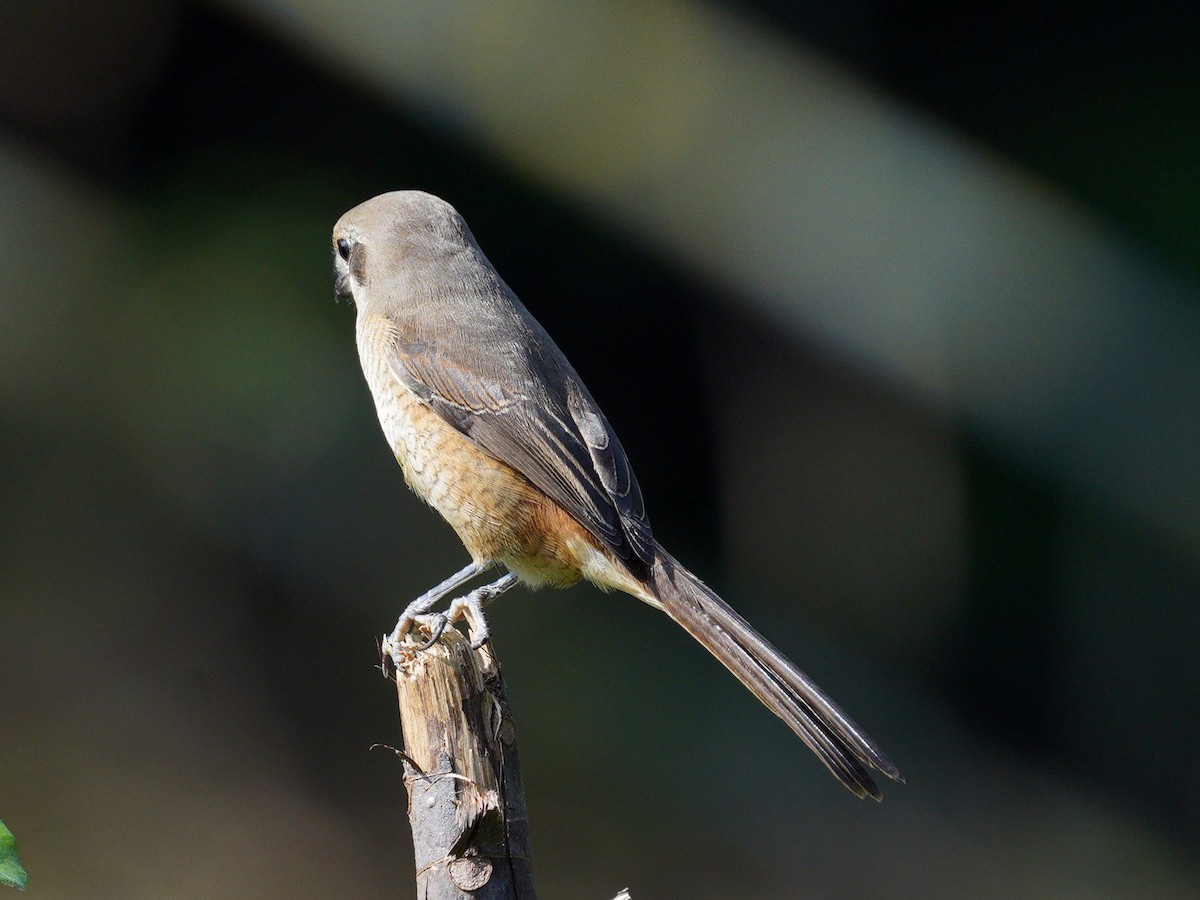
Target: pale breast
[[498, 514], [484, 500]]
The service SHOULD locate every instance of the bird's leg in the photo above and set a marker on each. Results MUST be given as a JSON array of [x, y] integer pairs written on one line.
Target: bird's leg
[[425, 602], [471, 607]]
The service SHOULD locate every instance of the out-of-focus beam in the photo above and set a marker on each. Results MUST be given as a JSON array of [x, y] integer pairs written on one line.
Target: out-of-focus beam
[[840, 211]]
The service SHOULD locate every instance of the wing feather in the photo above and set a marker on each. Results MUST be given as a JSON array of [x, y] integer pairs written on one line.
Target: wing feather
[[550, 430]]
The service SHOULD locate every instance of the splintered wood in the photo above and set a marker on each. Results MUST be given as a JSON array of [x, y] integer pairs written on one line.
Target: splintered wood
[[465, 801]]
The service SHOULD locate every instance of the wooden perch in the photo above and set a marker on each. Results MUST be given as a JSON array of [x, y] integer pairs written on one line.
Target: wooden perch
[[466, 804]]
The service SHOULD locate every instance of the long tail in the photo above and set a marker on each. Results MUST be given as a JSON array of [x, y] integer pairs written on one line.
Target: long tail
[[785, 690]]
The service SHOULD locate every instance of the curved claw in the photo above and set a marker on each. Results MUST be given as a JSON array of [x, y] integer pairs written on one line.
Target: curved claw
[[416, 610], [437, 624], [470, 608]]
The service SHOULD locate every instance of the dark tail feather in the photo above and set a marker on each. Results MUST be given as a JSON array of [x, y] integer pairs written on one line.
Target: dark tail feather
[[844, 747]]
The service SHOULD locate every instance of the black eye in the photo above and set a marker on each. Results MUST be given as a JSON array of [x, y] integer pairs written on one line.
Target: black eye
[[343, 246]]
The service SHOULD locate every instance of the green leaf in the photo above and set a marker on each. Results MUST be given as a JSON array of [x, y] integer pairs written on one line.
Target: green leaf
[[12, 873]]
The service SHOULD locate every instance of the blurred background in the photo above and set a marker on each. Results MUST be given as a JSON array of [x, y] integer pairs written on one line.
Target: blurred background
[[894, 305]]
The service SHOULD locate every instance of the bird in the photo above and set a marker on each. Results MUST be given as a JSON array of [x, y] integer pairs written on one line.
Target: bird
[[495, 430]]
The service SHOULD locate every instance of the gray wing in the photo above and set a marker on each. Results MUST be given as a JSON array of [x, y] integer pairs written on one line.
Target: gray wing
[[549, 429]]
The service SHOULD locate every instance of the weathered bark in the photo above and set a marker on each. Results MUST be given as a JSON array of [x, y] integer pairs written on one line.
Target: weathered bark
[[466, 804]]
